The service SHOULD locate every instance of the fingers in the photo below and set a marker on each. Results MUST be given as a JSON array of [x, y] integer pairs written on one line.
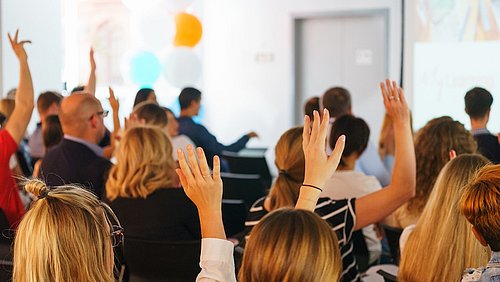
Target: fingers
[[16, 36], [186, 171], [193, 162], [306, 131], [216, 170], [11, 41], [315, 128], [205, 170], [182, 178], [383, 89], [325, 121], [336, 155]]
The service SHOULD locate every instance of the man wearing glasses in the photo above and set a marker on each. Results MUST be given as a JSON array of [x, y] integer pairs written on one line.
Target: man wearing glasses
[[78, 158]]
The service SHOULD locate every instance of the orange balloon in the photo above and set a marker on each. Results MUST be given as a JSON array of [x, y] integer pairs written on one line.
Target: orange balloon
[[189, 30]]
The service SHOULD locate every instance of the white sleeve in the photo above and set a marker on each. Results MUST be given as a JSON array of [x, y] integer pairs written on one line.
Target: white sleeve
[[216, 261]]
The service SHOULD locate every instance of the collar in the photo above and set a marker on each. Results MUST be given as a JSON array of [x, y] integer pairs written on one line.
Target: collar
[[480, 131], [94, 147]]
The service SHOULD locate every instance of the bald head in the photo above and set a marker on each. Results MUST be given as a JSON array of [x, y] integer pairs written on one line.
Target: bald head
[[77, 115]]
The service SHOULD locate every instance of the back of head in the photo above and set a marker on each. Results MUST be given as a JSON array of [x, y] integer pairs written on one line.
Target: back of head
[[142, 95], [144, 164], [291, 245], [152, 114], [356, 131], [7, 107], [75, 112], [188, 95], [47, 99], [337, 100], [478, 102], [52, 132], [480, 204], [65, 236], [289, 159], [443, 230], [433, 143], [311, 105]]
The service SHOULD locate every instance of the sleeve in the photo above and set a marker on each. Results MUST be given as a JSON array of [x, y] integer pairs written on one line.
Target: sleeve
[[370, 164], [216, 261], [212, 145], [7, 147], [340, 214]]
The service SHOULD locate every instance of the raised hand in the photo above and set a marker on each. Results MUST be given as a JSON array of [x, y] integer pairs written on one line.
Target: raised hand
[[204, 189], [92, 59], [252, 134], [115, 104], [395, 102], [319, 167], [18, 46]]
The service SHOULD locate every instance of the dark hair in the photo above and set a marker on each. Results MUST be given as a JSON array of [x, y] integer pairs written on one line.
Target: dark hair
[[47, 99], [142, 95], [478, 102], [311, 105], [152, 113], [337, 100], [78, 88], [52, 132], [188, 95], [356, 131]]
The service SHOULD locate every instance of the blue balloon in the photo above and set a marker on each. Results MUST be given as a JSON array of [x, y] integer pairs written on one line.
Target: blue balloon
[[145, 68]]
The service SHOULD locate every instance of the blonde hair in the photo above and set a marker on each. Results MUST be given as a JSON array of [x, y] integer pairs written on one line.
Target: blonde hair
[[480, 203], [442, 244], [65, 236], [291, 245], [144, 164], [289, 159]]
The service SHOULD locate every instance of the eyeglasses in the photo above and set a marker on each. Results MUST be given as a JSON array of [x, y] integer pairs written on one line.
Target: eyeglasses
[[104, 113], [116, 235]]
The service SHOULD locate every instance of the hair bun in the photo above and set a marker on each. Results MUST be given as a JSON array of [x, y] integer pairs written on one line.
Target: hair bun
[[36, 187]]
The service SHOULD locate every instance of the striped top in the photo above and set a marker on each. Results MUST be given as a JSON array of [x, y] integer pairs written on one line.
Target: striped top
[[340, 214]]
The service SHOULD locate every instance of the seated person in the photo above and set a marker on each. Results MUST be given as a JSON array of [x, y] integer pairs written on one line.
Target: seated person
[[52, 135], [144, 94], [433, 143], [144, 191], [190, 101], [441, 244], [78, 158], [179, 141], [346, 182], [479, 204], [478, 105], [310, 106]]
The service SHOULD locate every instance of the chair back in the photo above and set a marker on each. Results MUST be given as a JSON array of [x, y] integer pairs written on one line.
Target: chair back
[[162, 261], [246, 187], [234, 214], [6, 251], [360, 250], [393, 234], [249, 165]]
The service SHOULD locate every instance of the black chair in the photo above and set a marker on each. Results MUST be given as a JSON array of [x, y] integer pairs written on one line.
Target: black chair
[[360, 250], [246, 187], [6, 251], [249, 165], [393, 234], [234, 214], [162, 261]]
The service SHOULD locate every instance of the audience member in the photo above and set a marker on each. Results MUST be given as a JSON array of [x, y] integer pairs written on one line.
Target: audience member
[[52, 135], [478, 105], [345, 216], [144, 94], [179, 141], [346, 182], [441, 245], [12, 134], [48, 103], [283, 243], [6, 108], [311, 105], [78, 158], [190, 101], [480, 204], [144, 190], [433, 143], [67, 235], [338, 101]]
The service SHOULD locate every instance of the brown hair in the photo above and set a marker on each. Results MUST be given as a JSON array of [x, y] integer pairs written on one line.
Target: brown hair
[[52, 132], [151, 113], [289, 159], [46, 99], [310, 106], [337, 100], [433, 143], [480, 204], [357, 135], [144, 164], [443, 230], [291, 245]]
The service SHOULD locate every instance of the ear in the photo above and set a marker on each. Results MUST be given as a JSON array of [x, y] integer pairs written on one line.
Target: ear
[[479, 237], [93, 121]]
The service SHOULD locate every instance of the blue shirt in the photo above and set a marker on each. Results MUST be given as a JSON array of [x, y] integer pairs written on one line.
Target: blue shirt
[[203, 138], [490, 273]]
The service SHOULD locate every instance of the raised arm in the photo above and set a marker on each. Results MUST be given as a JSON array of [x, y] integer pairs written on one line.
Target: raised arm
[[376, 206], [115, 107], [91, 84], [18, 122], [319, 166]]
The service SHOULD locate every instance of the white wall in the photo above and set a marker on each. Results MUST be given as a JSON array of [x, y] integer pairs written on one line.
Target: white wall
[[242, 93], [40, 22]]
